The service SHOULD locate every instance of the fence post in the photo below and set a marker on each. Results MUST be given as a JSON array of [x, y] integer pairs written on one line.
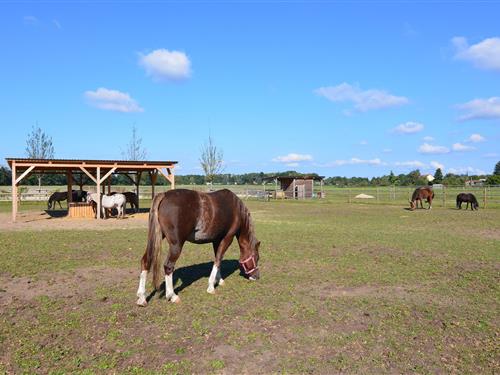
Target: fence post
[[378, 199], [444, 196], [348, 195], [484, 197]]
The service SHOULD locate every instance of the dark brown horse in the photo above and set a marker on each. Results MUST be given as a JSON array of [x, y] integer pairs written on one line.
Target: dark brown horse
[[185, 215], [131, 198], [420, 194], [58, 196], [468, 198]]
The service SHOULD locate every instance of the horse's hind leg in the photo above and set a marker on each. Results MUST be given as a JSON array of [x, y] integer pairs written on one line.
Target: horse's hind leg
[[169, 265], [141, 291]]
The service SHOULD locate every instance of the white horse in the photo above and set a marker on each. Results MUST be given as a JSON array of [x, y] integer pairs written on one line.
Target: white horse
[[117, 201]]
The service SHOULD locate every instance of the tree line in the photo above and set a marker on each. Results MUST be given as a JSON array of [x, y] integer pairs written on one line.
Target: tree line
[[410, 179]]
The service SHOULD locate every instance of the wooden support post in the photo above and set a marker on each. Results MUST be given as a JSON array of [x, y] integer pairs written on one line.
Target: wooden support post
[[69, 180], [444, 196], [137, 184], [484, 197], [153, 175], [14, 191], [109, 185], [98, 189]]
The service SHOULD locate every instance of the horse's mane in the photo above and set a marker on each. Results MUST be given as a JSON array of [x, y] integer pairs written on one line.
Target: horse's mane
[[247, 224]]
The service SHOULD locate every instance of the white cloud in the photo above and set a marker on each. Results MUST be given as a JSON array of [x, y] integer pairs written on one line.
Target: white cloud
[[165, 65], [408, 127], [112, 100], [476, 138], [363, 100], [491, 155], [30, 20], [293, 158], [431, 149], [363, 143], [466, 170], [57, 24], [387, 150], [428, 138], [481, 109], [292, 164], [485, 54], [460, 147], [356, 161], [411, 163], [436, 165]]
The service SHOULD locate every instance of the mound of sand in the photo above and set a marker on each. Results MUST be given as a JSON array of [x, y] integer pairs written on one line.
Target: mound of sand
[[364, 196]]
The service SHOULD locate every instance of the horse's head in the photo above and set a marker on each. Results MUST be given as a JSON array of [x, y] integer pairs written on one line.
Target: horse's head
[[88, 198], [250, 262], [412, 205]]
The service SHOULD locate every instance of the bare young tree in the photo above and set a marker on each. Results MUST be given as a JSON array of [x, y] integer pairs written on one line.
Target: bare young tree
[[39, 146], [134, 150], [211, 160]]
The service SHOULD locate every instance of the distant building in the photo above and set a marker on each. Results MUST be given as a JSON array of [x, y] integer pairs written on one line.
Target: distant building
[[479, 182], [299, 187]]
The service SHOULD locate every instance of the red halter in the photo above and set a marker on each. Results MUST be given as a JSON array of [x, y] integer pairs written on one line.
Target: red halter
[[249, 265]]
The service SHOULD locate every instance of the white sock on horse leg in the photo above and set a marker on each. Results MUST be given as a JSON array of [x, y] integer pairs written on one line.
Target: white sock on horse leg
[[211, 279], [218, 279], [169, 289], [141, 292]]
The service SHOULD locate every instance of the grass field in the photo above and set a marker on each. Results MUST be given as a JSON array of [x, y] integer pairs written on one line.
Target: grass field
[[344, 288]]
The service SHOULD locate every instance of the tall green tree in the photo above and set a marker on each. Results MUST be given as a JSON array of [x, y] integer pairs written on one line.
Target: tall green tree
[[496, 171], [438, 176]]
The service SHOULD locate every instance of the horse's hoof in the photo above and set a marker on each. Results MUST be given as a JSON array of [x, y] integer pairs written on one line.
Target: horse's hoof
[[221, 282], [175, 299], [142, 302], [211, 290]]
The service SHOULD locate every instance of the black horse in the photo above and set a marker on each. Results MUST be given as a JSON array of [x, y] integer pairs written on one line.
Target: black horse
[[58, 196], [468, 198]]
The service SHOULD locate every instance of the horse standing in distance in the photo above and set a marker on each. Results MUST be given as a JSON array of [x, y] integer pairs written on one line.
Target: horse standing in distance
[[420, 194], [58, 196], [185, 215], [109, 202], [132, 198], [468, 198]]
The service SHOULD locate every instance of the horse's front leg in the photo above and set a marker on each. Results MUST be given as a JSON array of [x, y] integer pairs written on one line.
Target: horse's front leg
[[219, 251], [169, 265]]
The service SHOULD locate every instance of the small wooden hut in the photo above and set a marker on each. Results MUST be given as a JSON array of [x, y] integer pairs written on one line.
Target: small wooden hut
[[299, 187]]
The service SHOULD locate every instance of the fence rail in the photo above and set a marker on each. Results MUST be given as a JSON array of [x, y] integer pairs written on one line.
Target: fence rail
[[445, 196]]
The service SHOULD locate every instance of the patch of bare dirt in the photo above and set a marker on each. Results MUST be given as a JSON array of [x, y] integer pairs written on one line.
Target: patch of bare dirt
[[81, 282], [492, 234], [41, 220]]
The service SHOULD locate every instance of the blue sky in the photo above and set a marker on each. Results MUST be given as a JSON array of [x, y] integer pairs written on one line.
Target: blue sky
[[336, 88]]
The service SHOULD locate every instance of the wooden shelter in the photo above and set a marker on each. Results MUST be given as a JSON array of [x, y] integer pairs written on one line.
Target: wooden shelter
[[299, 187], [82, 171]]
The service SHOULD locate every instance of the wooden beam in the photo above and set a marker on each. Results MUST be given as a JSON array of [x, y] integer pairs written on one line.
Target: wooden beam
[[88, 174], [98, 182], [130, 178], [169, 176], [18, 180], [138, 183], [153, 175], [14, 191], [107, 174], [69, 180]]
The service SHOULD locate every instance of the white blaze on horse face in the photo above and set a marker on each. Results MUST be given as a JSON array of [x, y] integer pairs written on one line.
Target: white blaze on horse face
[[212, 279], [169, 289]]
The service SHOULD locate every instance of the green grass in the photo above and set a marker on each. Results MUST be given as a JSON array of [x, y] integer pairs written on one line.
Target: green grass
[[345, 288]]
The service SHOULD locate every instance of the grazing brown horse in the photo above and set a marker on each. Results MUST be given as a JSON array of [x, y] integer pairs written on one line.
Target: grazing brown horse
[[185, 215], [131, 198], [468, 198], [420, 194]]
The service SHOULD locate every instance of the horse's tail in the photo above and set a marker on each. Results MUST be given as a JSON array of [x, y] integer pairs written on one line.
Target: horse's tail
[[153, 249], [458, 200]]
